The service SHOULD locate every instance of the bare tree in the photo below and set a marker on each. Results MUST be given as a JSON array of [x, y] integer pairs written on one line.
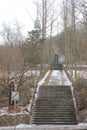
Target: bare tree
[[65, 30], [11, 33], [10, 52]]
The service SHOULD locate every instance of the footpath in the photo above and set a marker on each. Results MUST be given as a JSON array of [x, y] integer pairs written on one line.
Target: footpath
[[54, 77]]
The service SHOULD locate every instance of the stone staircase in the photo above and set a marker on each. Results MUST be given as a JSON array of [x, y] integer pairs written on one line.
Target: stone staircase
[[54, 106]]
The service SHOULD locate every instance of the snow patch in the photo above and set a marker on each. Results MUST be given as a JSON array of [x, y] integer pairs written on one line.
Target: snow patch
[[59, 78], [4, 111], [80, 73], [23, 126], [44, 78], [41, 82]]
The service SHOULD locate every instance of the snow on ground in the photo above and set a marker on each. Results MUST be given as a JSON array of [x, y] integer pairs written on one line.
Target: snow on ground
[[4, 111], [59, 78], [44, 78], [80, 126], [55, 78], [80, 73], [64, 78], [33, 72], [41, 82], [82, 66], [26, 74]]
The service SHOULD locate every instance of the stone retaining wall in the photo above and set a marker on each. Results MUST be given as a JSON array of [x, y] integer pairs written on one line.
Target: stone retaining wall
[[11, 120]]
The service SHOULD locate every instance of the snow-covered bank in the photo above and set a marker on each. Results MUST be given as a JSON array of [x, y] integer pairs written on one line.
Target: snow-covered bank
[[80, 73], [41, 82], [80, 126], [4, 111], [44, 78]]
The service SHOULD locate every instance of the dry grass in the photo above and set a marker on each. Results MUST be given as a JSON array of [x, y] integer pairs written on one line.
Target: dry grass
[[80, 86]]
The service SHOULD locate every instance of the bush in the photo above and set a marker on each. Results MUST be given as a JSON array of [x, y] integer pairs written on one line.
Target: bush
[[80, 83], [81, 92], [25, 95]]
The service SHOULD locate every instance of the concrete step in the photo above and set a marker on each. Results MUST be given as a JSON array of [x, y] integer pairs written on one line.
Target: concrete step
[[55, 114], [54, 123], [51, 117], [55, 120], [54, 110], [55, 90], [59, 87], [54, 105], [54, 96], [50, 109], [56, 101]]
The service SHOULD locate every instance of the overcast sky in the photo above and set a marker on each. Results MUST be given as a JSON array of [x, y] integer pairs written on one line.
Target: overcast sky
[[17, 9]]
